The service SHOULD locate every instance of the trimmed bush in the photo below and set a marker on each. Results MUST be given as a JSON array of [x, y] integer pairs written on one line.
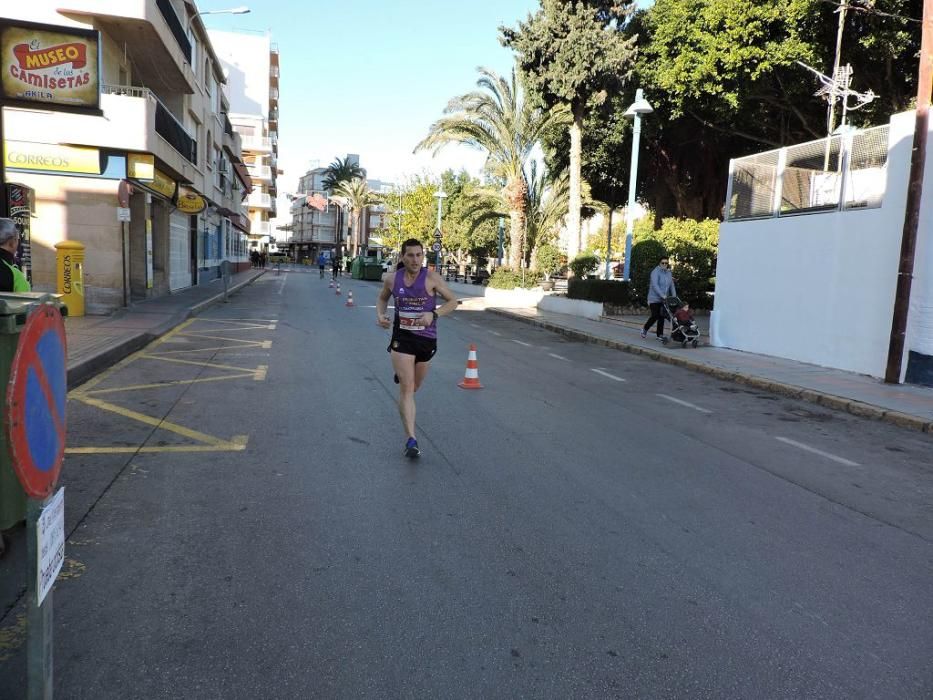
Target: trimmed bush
[[506, 278], [548, 259], [603, 291], [645, 256], [583, 263]]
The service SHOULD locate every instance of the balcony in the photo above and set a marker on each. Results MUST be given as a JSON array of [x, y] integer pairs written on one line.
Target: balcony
[[256, 144], [261, 228], [149, 31], [273, 95], [259, 200], [263, 173], [274, 72], [133, 120]]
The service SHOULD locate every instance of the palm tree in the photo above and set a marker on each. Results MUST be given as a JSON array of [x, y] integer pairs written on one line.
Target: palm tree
[[498, 120], [341, 170], [546, 207], [357, 197]]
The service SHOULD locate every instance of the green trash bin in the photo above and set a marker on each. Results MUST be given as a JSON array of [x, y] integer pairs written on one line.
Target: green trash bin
[[14, 308]]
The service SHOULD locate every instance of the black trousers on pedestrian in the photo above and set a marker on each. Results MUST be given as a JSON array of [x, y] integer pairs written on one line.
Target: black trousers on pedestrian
[[657, 314]]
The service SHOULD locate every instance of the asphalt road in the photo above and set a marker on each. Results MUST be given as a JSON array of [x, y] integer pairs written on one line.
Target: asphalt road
[[591, 524]]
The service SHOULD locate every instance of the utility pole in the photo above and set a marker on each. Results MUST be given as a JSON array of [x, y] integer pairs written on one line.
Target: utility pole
[[905, 269], [831, 122]]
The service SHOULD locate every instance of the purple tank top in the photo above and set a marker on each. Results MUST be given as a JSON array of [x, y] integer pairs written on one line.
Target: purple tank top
[[412, 302]]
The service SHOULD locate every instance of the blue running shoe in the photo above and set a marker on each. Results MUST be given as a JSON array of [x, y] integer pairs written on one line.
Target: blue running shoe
[[411, 449]]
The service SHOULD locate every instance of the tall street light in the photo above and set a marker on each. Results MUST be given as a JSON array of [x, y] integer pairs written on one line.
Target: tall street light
[[639, 106], [441, 196], [242, 10]]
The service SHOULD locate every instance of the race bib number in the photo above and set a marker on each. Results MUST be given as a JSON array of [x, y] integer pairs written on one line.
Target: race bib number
[[410, 321]]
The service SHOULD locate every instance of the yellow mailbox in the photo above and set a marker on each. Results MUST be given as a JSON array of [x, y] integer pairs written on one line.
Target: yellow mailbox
[[70, 272]]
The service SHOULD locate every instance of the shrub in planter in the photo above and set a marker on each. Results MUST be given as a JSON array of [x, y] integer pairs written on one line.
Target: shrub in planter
[[506, 278], [548, 259], [616, 292], [583, 263]]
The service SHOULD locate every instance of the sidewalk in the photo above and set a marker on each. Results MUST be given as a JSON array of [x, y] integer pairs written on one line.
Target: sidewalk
[[904, 405], [98, 342]]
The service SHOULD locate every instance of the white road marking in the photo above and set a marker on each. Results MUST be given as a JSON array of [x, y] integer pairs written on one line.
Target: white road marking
[[495, 333], [473, 325], [827, 455], [284, 280], [527, 345], [685, 403], [606, 374], [558, 357]]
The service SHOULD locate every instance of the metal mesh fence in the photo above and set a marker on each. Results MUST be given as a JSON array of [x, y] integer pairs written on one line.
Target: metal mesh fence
[[752, 189], [839, 172]]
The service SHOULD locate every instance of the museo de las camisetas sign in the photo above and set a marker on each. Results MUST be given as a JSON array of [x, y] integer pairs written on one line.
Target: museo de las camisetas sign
[[51, 67]]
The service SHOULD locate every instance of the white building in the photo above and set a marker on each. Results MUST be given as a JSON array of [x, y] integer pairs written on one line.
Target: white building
[[251, 67], [809, 253]]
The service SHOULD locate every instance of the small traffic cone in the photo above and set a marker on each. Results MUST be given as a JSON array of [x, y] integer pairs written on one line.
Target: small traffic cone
[[350, 299], [471, 377], [331, 285], [338, 289]]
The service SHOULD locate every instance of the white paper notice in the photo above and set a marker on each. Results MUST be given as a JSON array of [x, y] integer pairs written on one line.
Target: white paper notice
[[51, 550]]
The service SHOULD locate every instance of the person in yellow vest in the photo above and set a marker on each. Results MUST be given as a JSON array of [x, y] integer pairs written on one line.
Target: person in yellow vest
[[12, 278]]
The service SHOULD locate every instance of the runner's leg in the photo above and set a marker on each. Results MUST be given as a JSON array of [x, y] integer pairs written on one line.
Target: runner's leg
[[421, 371], [405, 369]]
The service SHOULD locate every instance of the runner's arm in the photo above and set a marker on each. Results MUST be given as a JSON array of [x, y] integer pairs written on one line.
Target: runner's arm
[[382, 301], [450, 299]]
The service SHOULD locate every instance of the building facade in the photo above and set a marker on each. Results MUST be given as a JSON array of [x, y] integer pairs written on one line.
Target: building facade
[[251, 67], [163, 131], [319, 224]]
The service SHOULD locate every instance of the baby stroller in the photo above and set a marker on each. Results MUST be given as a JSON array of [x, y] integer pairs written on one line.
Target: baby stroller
[[683, 332]]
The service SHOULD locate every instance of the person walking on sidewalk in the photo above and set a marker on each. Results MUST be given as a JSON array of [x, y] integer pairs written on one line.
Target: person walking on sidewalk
[[12, 278], [414, 329], [660, 287]]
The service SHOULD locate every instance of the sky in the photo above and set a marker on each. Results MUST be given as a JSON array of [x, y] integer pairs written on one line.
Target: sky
[[370, 76]]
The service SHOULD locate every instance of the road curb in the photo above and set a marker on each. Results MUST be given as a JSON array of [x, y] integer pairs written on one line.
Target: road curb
[[84, 370], [856, 408]]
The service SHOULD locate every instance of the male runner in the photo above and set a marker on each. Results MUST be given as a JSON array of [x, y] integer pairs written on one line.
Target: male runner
[[414, 330]]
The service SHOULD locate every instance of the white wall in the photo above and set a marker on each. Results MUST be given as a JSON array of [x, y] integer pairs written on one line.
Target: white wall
[[817, 288], [920, 319]]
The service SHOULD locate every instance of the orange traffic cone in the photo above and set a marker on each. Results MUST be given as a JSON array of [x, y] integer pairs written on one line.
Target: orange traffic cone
[[350, 299], [471, 378], [338, 289]]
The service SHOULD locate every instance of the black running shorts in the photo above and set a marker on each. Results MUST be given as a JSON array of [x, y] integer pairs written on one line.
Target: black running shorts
[[411, 344]]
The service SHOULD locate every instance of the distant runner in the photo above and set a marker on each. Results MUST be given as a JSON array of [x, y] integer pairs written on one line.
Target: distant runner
[[414, 329]]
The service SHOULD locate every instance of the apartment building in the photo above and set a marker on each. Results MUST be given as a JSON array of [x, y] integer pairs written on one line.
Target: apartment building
[[164, 130], [251, 67], [319, 224]]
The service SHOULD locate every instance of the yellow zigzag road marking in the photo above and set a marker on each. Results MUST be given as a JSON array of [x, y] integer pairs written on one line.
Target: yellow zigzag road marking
[[245, 325], [203, 364], [94, 381], [160, 385], [221, 337], [211, 443], [262, 344], [236, 444]]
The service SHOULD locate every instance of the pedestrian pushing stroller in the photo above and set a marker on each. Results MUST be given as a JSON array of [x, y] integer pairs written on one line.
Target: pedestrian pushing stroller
[[683, 332]]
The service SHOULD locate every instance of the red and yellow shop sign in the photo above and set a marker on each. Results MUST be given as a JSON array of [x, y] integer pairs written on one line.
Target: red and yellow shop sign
[[50, 157], [58, 67], [190, 202]]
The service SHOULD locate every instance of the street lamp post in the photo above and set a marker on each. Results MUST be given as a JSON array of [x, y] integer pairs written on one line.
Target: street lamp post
[[441, 196], [501, 232], [639, 106]]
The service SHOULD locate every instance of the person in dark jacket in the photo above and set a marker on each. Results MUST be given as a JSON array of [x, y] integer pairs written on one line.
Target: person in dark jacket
[[12, 278], [660, 287]]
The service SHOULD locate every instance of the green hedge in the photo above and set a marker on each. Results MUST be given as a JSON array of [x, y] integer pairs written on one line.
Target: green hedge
[[506, 278], [603, 291]]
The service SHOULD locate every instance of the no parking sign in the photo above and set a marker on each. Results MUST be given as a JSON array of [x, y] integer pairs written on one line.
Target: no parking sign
[[35, 402]]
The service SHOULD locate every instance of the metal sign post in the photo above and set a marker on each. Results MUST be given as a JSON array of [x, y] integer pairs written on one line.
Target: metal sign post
[[35, 428]]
